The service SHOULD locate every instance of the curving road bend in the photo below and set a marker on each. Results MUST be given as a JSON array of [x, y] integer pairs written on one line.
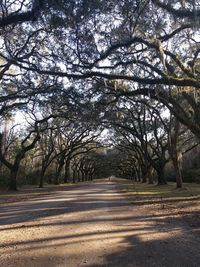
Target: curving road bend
[[91, 225]]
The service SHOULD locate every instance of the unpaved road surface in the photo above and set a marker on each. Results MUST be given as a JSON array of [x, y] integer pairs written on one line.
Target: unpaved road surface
[[93, 225]]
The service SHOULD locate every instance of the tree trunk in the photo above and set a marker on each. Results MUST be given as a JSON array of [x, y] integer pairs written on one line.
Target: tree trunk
[[136, 176], [78, 176], [61, 163], [13, 179], [86, 176], [144, 176], [150, 176], [57, 177], [82, 176], [74, 177], [161, 176], [41, 183], [179, 180], [91, 177], [67, 171], [139, 175]]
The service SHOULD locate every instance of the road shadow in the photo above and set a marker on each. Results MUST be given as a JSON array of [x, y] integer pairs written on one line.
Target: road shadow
[[136, 237]]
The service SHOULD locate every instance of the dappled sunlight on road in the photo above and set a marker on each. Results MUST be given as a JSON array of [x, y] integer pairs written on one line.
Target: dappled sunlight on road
[[93, 225]]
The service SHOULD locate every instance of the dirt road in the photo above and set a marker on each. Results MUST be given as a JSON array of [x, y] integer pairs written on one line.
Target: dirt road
[[92, 225]]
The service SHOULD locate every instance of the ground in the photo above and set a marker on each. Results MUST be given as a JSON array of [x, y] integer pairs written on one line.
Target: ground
[[97, 224]]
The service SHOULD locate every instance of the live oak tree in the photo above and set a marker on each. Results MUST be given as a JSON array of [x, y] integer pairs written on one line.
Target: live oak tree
[[46, 152], [27, 143]]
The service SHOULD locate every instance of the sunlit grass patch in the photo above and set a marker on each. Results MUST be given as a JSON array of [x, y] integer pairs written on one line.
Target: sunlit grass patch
[[164, 197], [169, 190]]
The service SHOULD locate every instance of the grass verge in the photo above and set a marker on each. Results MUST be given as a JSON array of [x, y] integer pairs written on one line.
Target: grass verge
[[169, 190]]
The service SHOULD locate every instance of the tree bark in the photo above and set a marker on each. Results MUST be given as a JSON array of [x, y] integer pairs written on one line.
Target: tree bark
[[82, 176], [150, 176], [41, 183], [67, 171], [144, 176], [139, 174], [74, 177], [179, 180], [161, 176], [13, 179], [86, 176], [61, 163], [78, 176], [57, 176]]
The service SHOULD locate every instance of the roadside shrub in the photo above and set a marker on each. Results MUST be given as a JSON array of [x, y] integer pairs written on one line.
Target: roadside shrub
[[4, 178], [191, 175]]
